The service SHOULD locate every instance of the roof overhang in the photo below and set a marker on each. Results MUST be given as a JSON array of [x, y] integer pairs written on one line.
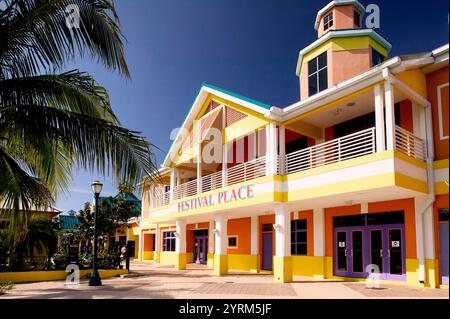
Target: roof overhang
[[361, 8], [334, 34], [199, 101]]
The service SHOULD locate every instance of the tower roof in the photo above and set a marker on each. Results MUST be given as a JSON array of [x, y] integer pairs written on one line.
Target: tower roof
[[336, 3]]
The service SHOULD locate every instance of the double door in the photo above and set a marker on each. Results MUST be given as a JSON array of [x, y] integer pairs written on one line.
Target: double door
[[200, 249], [361, 250]]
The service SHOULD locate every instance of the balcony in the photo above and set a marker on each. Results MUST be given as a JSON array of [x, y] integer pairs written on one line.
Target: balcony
[[352, 146]]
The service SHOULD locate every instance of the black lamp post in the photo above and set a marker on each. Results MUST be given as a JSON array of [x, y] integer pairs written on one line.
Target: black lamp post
[[94, 279]]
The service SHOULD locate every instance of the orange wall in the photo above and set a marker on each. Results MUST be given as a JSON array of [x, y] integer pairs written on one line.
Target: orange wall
[[434, 80], [343, 19], [148, 242], [406, 115], [309, 216], [343, 70], [242, 228]]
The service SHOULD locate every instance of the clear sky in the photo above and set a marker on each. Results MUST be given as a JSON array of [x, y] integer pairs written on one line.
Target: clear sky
[[246, 46]]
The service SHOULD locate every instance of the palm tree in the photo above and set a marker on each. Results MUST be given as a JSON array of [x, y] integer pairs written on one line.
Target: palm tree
[[51, 121]]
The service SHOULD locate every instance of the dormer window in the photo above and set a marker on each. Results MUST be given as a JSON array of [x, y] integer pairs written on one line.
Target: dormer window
[[318, 74], [328, 21], [357, 18]]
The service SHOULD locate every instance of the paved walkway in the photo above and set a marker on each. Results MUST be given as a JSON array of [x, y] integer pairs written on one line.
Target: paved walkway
[[152, 281]]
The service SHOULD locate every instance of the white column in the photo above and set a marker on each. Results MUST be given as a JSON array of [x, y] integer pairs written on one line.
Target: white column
[[390, 115], [141, 246], [379, 118], [173, 181], [282, 132], [152, 195], [282, 231], [319, 232], [272, 148], [157, 244], [224, 164], [199, 174], [221, 240], [180, 244], [211, 237], [254, 235]]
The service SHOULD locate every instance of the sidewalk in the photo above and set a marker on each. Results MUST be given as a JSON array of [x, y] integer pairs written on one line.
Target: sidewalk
[[152, 281]]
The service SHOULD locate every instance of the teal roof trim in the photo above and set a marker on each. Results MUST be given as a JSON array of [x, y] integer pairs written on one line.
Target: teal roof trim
[[238, 96]]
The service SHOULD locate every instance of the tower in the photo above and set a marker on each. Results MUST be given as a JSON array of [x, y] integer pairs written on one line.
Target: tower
[[344, 48]]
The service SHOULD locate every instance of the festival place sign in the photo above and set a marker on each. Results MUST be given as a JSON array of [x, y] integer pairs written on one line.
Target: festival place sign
[[223, 197]]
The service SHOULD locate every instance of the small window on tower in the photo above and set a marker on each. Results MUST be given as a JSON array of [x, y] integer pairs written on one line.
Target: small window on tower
[[357, 19], [328, 21], [377, 57]]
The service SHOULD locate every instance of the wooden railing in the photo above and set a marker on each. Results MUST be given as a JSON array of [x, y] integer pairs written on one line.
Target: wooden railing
[[406, 142], [351, 146]]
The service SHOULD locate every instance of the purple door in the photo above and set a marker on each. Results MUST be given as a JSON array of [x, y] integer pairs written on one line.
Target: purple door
[[267, 249], [358, 249], [200, 246]]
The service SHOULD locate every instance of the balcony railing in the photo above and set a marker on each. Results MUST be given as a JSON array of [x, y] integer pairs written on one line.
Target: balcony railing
[[348, 147], [341, 149], [406, 142]]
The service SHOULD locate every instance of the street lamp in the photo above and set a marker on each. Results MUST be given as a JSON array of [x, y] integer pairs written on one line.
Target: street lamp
[[94, 279]]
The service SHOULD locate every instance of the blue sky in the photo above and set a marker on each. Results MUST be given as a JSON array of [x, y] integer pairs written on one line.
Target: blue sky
[[246, 46]]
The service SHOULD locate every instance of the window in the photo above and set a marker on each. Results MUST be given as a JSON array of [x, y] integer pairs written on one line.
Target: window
[[377, 57], [318, 74], [357, 18], [328, 21], [232, 241], [169, 241], [299, 237]]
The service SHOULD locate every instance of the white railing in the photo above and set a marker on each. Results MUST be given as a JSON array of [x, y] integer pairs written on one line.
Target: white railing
[[212, 182], [161, 199], [185, 190], [341, 149], [406, 142], [246, 171]]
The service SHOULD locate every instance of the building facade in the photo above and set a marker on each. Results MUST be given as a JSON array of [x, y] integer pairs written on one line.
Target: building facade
[[350, 180]]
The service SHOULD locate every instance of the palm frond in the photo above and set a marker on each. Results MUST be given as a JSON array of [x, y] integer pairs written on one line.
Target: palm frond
[[34, 36], [20, 194], [94, 143], [71, 91]]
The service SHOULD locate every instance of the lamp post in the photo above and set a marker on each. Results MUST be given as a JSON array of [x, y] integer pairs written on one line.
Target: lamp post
[[94, 279]]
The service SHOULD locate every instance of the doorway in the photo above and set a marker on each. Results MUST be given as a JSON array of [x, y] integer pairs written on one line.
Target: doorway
[[267, 247], [201, 246], [369, 246], [443, 245]]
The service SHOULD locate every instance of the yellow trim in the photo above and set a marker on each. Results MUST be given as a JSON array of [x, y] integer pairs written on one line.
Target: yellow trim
[[410, 160], [309, 266], [220, 265], [416, 80], [344, 44], [242, 128], [306, 129], [282, 269], [243, 262], [38, 276], [441, 188], [442, 164], [411, 183]]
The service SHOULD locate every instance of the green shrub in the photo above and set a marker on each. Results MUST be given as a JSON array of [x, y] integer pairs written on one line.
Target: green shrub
[[5, 286]]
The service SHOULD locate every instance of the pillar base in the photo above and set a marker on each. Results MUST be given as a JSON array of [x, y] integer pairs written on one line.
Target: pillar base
[[282, 270], [180, 262], [220, 265]]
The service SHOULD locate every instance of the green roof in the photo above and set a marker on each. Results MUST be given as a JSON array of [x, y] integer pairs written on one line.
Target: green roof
[[68, 222]]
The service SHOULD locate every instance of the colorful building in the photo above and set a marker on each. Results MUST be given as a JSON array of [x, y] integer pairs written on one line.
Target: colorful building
[[351, 179]]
